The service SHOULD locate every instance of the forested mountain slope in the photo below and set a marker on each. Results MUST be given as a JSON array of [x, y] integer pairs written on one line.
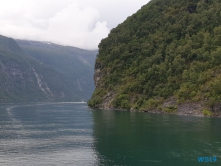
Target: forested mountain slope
[[23, 78], [165, 57]]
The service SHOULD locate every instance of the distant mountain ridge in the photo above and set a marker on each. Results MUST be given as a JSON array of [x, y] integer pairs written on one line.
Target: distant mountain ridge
[[9, 44], [37, 71]]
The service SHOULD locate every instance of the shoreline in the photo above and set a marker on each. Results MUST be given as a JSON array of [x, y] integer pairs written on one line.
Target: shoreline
[[160, 112]]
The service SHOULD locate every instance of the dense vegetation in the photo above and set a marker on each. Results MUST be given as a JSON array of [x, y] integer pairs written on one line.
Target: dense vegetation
[[168, 48]]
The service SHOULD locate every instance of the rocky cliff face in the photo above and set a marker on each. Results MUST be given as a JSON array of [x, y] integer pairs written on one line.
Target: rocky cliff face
[[106, 101], [97, 74]]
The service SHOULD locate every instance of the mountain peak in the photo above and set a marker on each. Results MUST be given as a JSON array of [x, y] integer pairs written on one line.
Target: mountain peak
[[10, 45]]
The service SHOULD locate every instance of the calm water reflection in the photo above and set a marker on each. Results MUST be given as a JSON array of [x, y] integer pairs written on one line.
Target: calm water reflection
[[125, 138], [72, 134]]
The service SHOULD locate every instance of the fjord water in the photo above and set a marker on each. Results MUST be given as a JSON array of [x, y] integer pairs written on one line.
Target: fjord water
[[72, 134]]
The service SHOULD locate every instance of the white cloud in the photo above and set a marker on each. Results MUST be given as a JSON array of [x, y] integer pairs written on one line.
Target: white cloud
[[76, 27], [114, 11], [79, 23]]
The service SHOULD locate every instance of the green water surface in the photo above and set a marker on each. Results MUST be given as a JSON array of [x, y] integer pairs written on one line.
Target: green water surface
[[60, 134], [137, 139]]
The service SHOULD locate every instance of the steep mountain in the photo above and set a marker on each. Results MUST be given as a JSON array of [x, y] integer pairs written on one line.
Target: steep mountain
[[75, 65], [10, 45], [23, 78], [164, 58]]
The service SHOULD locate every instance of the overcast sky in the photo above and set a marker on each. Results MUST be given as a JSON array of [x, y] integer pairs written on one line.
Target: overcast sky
[[79, 23]]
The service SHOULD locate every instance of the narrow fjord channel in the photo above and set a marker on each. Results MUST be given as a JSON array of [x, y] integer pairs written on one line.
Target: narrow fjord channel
[[73, 134]]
